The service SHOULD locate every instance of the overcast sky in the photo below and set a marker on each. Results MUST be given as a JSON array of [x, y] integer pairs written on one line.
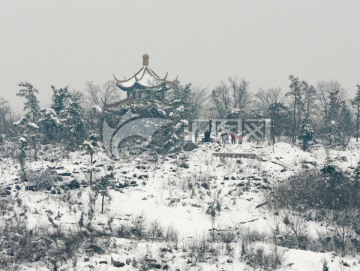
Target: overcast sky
[[66, 43]]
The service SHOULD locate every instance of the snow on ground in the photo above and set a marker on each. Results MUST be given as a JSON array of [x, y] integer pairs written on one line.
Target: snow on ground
[[177, 192]]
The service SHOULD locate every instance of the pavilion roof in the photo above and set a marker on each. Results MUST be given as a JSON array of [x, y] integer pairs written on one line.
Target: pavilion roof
[[145, 78]]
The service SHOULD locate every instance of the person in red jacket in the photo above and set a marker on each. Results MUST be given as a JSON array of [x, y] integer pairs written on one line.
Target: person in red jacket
[[233, 138]]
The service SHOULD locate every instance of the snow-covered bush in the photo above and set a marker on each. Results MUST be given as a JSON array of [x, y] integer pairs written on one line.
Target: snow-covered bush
[[42, 180], [328, 189]]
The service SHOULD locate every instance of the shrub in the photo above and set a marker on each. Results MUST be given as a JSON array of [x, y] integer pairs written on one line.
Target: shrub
[[41, 180], [327, 189], [28, 245], [257, 256]]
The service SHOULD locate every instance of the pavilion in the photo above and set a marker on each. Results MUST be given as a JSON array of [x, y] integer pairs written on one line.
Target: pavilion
[[135, 86]]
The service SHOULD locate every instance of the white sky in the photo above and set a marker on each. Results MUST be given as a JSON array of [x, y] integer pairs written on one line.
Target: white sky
[[66, 43]]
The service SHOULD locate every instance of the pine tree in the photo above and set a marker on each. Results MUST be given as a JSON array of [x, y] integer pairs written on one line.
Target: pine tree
[[49, 124], [33, 135], [306, 133], [356, 104], [102, 186], [67, 110], [4, 112], [279, 115], [296, 89], [22, 147], [72, 122], [338, 120], [90, 147], [31, 104], [176, 106], [309, 98], [60, 98], [30, 132], [344, 125]]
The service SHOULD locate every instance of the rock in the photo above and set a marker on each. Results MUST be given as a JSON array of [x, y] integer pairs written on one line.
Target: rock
[[74, 184], [115, 261], [86, 259], [65, 174], [31, 187], [184, 165], [6, 192], [190, 146], [103, 262], [143, 176], [153, 263], [94, 248]]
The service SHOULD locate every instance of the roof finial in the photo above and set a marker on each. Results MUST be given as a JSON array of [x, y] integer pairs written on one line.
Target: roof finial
[[145, 60]]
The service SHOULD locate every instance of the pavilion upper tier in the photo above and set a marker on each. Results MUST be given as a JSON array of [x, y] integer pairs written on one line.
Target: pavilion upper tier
[[145, 78]]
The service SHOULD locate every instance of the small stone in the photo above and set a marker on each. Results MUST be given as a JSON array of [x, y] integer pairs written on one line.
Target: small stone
[[116, 262]]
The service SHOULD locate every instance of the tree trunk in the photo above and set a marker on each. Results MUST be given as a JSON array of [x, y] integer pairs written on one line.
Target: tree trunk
[[102, 203], [357, 123], [35, 152], [91, 173], [294, 122]]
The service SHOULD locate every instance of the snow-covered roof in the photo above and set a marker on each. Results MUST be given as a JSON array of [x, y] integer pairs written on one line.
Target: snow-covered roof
[[144, 78]]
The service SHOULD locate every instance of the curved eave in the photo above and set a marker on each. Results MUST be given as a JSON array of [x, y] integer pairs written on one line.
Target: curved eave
[[136, 84], [139, 86]]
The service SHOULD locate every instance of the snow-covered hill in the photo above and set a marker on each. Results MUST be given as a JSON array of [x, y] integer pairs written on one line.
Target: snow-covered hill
[[185, 211]]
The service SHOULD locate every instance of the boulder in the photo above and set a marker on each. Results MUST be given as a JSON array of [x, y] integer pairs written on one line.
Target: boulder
[[74, 184], [153, 263], [184, 165], [31, 187], [115, 261], [190, 146], [95, 248], [6, 192]]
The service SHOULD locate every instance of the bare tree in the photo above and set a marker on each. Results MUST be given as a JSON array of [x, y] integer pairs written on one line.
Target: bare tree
[[323, 92], [265, 98], [229, 95], [221, 100], [240, 92], [96, 95], [199, 98]]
